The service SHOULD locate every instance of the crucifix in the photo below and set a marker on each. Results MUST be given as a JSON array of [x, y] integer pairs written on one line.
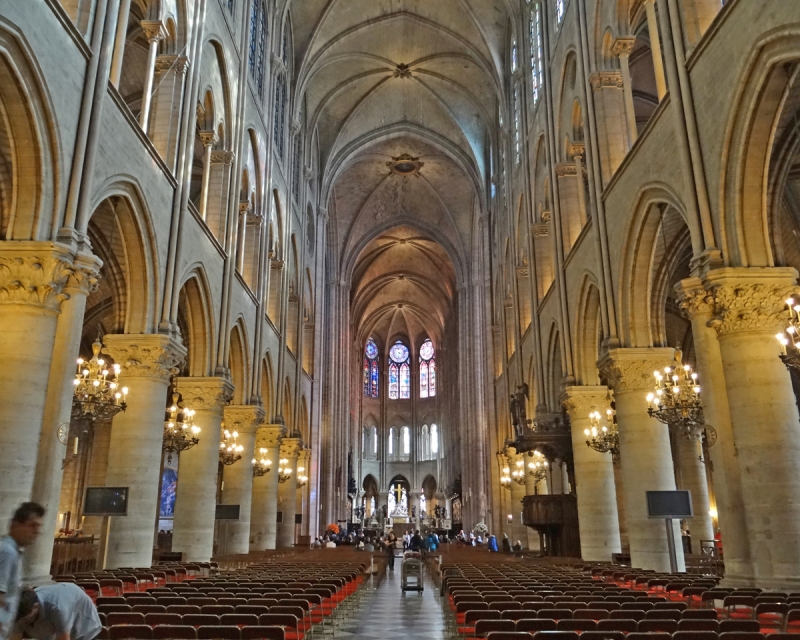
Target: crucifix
[[398, 492]]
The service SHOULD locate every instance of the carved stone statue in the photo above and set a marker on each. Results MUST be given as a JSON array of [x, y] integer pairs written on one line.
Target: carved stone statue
[[513, 404], [522, 403]]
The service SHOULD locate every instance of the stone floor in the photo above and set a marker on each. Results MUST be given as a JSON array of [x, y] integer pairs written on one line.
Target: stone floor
[[388, 613]]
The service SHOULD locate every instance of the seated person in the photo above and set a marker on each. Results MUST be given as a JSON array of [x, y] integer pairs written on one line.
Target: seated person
[[60, 611]]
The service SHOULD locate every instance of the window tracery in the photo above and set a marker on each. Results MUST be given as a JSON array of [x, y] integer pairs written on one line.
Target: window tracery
[[370, 369], [399, 372], [427, 370], [535, 34]]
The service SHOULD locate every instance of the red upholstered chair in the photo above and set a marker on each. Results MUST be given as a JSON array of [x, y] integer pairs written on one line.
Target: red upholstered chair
[[200, 620], [578, 626], [627, 615], [739, 626], [662, 614], [741, 635], [286, 621], [698, 625], [555, 614], [484, 627], [111, 586], [637, 606], [556, 635], [156, 619], [201, 601], [739, 607], [657, 635], [130, 632], [590, 614], [698, 614], [149, 608], [217, 609], [534, 625], [218, 633], [263, 633], [174, 632], [467, 628], [624, 626], [694, 635], [239, 619], [650, 626], [671, 605], [602, 635], [771, 616], [125, 618], [509, 635], [170, 600], [103, 600]]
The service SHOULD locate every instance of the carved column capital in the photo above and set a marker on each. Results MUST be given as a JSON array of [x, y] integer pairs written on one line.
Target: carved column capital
[[693, 298], [606, 80], [632, 369], [304, 458], [222, 157], [154, 30], [566, 169], [208, 138], [245, 418], [37, 274], [205, 394], [269, 436], [145, 355], [623, 46], [577, 149], [580, 401], [290, 448], [750, 299], [523, 272], [540, 230]]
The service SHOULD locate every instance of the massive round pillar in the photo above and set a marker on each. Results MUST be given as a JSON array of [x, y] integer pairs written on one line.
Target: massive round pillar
[[749, 305], [646, 456], [238, 479], [264, 506], [134, 455], [594, 478], [196, 499], [287, 494]]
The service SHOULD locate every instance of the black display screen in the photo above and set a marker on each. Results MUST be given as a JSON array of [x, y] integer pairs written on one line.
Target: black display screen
[[106, 501]]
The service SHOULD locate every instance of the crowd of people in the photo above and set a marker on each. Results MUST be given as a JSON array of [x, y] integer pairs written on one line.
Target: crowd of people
[[61, 611]]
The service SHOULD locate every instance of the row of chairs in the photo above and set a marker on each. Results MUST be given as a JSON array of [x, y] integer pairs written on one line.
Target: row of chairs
[[610, 635]]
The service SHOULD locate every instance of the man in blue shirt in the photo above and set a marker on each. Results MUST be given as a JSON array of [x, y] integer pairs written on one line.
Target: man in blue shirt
[[25, 526], [60, 611]]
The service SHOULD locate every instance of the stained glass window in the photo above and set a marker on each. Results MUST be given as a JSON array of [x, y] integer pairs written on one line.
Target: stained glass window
[[399, 372], [406, 434], [393, 381], [434, 440], [371, 369], [535, 28], [513, 56], [517, 125], [262, 51], [427, 370], [254, 36], [560, 8]]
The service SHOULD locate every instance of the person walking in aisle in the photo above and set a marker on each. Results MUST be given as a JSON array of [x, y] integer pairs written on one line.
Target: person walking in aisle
[[25, 526]]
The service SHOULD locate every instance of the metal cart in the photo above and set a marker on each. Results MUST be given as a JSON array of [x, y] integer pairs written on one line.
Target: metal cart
[[411, 572]]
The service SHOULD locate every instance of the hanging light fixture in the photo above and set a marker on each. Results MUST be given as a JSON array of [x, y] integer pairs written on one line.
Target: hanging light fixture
[[284, 471], [676, 399], [537, 468], [790, 337], [302, 479], [261, 466], [180, 432], [230, 452], [518, 474], [603, 435], [97, 394], [505, 478]]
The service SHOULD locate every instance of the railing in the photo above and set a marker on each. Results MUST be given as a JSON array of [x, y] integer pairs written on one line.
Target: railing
[[74, 555]]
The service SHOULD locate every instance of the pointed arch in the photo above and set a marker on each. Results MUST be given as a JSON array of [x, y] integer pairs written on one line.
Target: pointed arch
[[196, 322], [588, 333], [267, 386], [239, 362]]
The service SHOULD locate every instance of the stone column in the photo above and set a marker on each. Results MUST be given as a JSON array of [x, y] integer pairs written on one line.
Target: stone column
[[238, 478], [287, 494], [646, 456], [655, 48], [304, 463], [622, 49], [58, 408], [32, 280], [196, 499], [594, 478], [692, 468], [749, 305], [209, 139], [155, 33], [698, 306], [134, 456], [120, 41], [264, 507]]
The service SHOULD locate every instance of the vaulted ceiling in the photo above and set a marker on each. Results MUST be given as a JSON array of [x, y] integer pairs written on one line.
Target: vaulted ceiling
[[394, 81]]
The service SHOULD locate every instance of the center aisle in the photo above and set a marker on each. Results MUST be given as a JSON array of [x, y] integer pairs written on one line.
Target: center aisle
[[387, 613]]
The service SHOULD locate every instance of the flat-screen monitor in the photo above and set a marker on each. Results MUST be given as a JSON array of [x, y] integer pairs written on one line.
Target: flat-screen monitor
[[106, 501], [669, 504], [227, 512]]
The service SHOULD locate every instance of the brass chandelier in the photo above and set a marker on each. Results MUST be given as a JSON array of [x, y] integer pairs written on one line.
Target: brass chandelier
[[302, 479], [180, 432], [536, 468], [790, 337], [230, 452], [97, 394], [261, 466], [284, 471], [676, 398], [603, 437]]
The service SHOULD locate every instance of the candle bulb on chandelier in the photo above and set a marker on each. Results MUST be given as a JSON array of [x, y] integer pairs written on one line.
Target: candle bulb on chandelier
[[75, 447]]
